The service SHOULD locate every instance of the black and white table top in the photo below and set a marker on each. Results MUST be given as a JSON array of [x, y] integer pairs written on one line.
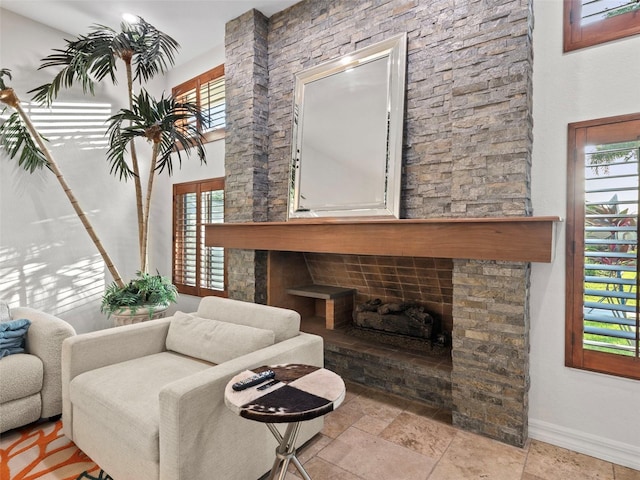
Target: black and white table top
[[303, 392]]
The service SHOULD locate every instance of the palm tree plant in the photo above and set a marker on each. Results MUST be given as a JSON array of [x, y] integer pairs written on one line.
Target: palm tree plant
[[166, 123], [145, 52]]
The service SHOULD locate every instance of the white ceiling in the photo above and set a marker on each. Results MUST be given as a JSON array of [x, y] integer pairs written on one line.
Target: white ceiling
[[197, 25]]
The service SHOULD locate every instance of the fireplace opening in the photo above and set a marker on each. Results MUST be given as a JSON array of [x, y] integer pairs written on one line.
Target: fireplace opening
[[326, 290], [407, 325]]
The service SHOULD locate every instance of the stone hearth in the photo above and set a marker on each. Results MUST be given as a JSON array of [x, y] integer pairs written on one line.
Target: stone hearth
[[419, 375]]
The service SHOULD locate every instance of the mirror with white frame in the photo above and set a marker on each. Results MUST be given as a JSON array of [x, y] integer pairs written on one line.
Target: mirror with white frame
[[347, 134]]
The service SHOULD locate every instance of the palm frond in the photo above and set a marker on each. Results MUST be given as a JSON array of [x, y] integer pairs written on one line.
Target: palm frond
[[164, 121], [76, 63], [5, 72], [16, 140], [119, 139], [153, 50]]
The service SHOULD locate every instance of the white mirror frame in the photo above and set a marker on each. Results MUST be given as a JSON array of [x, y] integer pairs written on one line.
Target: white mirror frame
[[386, 201]]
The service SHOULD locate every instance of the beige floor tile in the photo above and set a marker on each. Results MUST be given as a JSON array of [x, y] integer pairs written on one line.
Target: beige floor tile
[[470, 456], [374, 458], [372, 425], [548, 462], [319, 469], [339, 420], [379, 406], [423, 435], [625, 473], [312, 447], [373, 413]]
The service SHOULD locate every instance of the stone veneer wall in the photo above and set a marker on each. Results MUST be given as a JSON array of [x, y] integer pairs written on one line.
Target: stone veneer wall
[[467, 153], [246, 145]]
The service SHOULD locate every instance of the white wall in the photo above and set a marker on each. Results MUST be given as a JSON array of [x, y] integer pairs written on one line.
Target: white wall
[[47, 260], [588, 412]]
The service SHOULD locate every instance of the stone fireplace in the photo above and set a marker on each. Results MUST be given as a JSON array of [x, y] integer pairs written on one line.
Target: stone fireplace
[[467, 154]]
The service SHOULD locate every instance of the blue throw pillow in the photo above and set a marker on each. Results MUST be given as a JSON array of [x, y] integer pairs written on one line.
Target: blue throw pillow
[[12, 335]]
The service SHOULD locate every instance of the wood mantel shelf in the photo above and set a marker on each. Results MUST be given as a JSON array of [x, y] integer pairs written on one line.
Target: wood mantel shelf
[[520, 239]]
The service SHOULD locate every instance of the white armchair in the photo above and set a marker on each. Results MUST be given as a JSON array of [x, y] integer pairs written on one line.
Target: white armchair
[[146, 401]]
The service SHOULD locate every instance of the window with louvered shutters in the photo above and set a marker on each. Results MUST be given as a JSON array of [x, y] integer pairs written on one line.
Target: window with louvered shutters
[[602, 331], [208, 92], [591, 22], [197, 269]]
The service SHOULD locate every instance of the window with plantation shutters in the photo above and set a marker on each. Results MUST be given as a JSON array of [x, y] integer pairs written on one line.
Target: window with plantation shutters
[[197, 269], [603, 331], [208, 92], [591, 22]]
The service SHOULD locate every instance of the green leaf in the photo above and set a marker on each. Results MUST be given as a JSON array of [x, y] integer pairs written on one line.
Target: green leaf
[[16, 140], [5, 72]]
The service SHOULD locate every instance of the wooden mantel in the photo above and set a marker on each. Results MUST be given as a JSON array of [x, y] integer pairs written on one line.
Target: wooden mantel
[[521, 239]]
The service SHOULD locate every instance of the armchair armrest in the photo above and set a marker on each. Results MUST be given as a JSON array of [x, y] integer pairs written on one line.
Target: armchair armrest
[[89, 351], [195, 422], [44, 340]]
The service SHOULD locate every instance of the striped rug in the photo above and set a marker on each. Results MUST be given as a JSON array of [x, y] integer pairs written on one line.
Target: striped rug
[[42, 452]]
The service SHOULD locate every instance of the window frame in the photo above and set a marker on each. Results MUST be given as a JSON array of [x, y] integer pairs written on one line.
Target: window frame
[[197, 187], [195, 84], [580, 134], [576, 36]]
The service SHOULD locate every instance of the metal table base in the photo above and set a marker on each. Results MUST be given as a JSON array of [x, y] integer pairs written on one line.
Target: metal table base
[[286, 451]]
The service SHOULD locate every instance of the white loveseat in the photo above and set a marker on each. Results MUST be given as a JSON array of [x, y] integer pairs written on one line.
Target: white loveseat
[[146, 401], [30, 384]]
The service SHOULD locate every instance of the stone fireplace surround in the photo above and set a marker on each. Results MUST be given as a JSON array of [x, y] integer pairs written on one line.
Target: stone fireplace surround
[[467, 154]]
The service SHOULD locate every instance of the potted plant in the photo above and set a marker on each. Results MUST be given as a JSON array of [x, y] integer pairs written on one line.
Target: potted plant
[[166, 123], [145, 297]]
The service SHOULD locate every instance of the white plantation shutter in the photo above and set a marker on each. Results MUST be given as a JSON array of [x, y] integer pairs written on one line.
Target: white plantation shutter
[[602, 295], [208, 92], [197, 269], [212, 102], [596, 10], [592, 22], [611, 240]]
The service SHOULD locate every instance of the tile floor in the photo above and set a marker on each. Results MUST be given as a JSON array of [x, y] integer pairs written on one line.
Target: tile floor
[[374, 436]]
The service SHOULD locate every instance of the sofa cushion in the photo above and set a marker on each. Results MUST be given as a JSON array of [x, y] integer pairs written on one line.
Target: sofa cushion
[[212, 340], [20, 412], [125, 396], [20, 376], [283, 322]]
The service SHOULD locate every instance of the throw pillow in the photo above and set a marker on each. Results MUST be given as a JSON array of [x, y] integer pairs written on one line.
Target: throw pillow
[[12, 336], [213, 340]]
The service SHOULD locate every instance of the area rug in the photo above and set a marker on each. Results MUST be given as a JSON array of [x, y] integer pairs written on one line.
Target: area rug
[[42, 452]]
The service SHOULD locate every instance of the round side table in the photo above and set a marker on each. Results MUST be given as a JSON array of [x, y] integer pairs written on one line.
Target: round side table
[[296, 393]]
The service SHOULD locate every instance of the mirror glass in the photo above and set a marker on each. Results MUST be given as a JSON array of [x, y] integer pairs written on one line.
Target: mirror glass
[[347, 134]]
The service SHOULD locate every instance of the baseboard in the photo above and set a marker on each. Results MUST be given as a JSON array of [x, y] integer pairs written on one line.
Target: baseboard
[[592, 445]]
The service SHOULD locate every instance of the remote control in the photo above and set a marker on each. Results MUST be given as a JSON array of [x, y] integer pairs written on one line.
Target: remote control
[[267, 385], [253, 380]]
